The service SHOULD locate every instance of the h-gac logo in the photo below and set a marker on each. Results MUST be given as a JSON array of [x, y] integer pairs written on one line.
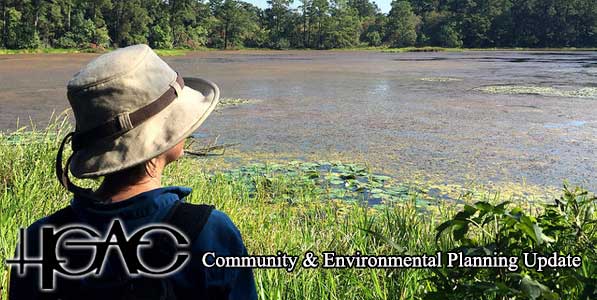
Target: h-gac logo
[[128, 247]]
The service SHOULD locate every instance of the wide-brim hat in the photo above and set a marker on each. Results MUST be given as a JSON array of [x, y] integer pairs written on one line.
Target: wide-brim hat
[[129, 107]]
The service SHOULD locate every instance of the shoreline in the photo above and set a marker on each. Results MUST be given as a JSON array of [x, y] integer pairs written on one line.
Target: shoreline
[[182, 51]]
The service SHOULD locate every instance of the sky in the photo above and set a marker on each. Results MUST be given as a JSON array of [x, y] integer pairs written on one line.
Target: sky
[[384, 5]]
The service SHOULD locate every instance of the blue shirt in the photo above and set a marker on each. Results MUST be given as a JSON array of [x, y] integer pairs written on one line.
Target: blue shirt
[[219, 235]]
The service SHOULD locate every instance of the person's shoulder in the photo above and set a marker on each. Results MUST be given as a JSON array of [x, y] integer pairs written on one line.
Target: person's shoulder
[[56, 218], [219, 220], [219, 234], [63, 214], [39, 223]]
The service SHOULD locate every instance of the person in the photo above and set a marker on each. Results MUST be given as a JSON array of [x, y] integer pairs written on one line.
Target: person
[[133, 113]]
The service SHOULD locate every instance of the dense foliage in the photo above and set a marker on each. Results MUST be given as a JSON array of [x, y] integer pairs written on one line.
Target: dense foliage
[[320, 24], [563, 230]]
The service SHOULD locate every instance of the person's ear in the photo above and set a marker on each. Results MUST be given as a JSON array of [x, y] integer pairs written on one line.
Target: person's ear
[[174, 153]]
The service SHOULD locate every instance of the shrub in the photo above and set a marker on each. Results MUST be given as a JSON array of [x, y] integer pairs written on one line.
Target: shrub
[[373, 38], [568, 227]]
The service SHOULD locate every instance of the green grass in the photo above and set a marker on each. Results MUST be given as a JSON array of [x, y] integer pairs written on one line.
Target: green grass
[[275, 211], [177, 52], [40, 50], [268, 220], [161, 52]]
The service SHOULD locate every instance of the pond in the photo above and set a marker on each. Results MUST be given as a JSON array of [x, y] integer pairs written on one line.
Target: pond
[[488, 117]]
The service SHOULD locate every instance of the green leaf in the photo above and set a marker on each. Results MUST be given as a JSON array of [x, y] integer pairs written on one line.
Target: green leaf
[[528, 227], [466, 213], [392, 244], [484, 206], [501, 208], [535, 290], [348, 176], [442, 227], [460, 230], [532, 229]]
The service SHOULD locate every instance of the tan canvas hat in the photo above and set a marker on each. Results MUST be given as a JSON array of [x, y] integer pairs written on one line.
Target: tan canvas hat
[[129, 107]]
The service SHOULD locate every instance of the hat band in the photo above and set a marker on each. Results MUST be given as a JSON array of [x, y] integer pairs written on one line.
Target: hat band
[[127, 121]]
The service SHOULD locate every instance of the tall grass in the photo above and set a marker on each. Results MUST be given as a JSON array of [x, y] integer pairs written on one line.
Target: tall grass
[[268, 221], [268, 218]]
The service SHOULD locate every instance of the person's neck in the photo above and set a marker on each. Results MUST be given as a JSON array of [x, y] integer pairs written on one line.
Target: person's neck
[[117, 193]]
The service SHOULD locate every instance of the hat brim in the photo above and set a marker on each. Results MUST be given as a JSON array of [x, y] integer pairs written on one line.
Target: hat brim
[[153, 137]]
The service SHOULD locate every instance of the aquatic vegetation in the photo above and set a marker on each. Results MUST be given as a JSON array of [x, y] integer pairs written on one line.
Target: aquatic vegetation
[[440, 79], [432, 186], [586, 92], [420, 49], [232, 102], [331, 181]]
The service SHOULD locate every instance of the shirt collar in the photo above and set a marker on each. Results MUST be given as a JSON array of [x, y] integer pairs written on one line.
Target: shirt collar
[[139, 206]]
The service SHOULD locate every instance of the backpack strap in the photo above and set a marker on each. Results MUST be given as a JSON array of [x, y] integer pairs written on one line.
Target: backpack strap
[[188, 218]]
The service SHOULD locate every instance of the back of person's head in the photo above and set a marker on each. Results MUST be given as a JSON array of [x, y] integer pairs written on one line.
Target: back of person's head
[[130, 107]]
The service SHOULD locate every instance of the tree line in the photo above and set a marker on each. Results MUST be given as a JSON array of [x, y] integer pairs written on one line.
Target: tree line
[[317, 24]]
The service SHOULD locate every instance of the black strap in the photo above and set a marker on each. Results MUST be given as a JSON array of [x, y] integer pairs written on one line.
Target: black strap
[[62, 173]]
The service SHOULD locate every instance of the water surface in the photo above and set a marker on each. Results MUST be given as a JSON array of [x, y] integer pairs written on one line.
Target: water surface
[[403, 112]]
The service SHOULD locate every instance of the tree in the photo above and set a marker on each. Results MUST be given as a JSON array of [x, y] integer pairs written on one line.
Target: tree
[[320, 18], [373, 38], [344, 27], [306, 9], [448, 36], [315, 24], [233, 20], [364, 8], [12, 18], [188, 22], [402, 25], [277, 17], [4, 25], [421, 7], [130, 20]]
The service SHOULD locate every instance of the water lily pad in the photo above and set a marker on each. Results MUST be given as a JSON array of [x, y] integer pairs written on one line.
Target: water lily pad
[[331, 180], [336, 181], [586, 92]]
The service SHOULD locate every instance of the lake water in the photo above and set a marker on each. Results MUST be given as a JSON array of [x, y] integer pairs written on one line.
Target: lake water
[[488, 116]]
